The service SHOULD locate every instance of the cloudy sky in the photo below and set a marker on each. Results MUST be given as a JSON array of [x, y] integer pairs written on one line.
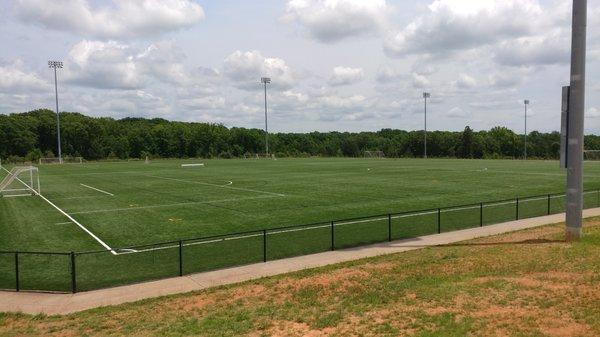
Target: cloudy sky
[[335, 64]]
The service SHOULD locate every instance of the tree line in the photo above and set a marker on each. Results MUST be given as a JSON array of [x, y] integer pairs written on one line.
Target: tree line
[[31, 135]]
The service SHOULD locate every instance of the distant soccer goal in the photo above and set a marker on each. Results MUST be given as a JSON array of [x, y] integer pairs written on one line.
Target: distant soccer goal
[[20, 181], [591, 155], [374, 154], [259, 156], [65, 160]]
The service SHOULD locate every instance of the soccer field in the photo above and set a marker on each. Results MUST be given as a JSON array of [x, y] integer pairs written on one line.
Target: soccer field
[[122, 204]]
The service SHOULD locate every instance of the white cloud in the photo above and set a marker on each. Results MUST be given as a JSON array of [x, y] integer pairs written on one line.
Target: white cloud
[[121, 19], [592, 113], [346, 76], [115, 65], [245, 69], [457, 25], [17, 80], [465, 81], [164, 61], [509, 78], [457, 112], [387, 74], [105, 65], [204, 103], [552, 48], [420, 81], [335, 20]]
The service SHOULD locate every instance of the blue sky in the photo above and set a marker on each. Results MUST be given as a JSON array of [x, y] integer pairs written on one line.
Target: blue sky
[[346, 65]]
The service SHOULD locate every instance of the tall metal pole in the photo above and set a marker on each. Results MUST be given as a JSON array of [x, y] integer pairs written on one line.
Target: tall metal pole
[[576, 117], [525, 148], [266, 80], [54, 65], [266, 123], [426, 95]]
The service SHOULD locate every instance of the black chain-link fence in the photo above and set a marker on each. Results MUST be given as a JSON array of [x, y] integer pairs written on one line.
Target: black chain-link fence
[[82, 271]]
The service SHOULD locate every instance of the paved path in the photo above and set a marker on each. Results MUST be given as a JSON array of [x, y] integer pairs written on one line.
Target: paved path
[[34, 303]]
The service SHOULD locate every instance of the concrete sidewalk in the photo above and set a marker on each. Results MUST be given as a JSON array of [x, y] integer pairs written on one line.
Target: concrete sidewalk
[[34, 303]]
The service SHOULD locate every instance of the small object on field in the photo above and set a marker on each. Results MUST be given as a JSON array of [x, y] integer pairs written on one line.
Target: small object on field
[[192, 165]]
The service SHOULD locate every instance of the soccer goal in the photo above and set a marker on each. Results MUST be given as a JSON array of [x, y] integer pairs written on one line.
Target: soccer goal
[[20, 181], [591, 155], [259, 156], [65, 160], [374, 154]]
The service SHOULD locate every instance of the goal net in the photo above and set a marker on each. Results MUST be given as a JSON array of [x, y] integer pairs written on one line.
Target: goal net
[[65, 160], [591, 155], [374, 154], [20, 181], [259, 156]]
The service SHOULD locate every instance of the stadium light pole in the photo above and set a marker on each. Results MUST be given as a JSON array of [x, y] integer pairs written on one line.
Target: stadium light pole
[[575, 122], [525, 148], [426, 95], [55, 65], [265, 81]]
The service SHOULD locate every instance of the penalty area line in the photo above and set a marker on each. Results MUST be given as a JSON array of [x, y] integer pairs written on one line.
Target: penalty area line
[[97, 189]]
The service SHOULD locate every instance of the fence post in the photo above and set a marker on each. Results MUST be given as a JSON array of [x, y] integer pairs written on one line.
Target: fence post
[[517, 209], [73, 274], [180, 258], [264, 245], [389, 227], [332, 237], [548, 204], [17, 285], [481, 214], [439, 221]]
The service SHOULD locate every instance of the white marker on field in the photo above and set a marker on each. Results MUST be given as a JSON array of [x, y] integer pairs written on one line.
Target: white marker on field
[[192, 165], [97, 189]]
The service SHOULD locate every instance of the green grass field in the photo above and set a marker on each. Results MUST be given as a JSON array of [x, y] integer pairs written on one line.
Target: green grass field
[[131, 203]]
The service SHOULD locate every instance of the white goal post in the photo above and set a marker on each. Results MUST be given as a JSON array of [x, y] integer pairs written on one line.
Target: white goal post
[[374, 154], [65, 160], [20, 181]]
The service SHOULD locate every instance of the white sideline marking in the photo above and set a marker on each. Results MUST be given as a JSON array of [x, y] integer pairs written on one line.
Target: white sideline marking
[[68, 217], [192, 165], [169, 205], [215, 185], [62, 223], [290, 230], [97, 189]]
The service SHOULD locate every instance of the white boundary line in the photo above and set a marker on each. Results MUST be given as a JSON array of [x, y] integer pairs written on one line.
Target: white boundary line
[[69, 217], [97, 189], [215, 185]]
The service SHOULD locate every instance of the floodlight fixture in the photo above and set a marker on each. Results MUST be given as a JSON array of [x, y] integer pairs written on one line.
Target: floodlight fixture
[[57, 65], [265, 81]]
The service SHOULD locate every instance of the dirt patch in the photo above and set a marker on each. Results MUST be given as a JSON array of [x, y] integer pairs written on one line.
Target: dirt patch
[[340, 279], [288, 329]]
